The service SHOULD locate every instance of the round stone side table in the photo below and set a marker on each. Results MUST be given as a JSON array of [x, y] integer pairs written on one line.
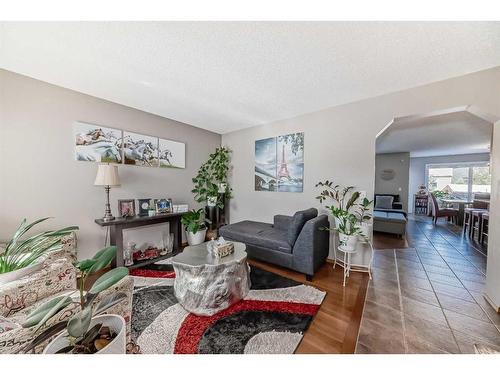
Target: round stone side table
[[204, 284]]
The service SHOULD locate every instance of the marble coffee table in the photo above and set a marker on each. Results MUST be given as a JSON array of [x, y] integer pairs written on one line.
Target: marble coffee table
[[204, 284]]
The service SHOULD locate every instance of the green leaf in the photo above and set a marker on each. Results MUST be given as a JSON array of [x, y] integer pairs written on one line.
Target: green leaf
[[85, 265], [42, 337], [108, 279], [46, 311], [103, 259], [80, 322]]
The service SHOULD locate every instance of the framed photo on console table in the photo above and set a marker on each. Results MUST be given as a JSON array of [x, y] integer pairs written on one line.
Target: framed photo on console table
[[126, 207], [163, 206], [144, 206]]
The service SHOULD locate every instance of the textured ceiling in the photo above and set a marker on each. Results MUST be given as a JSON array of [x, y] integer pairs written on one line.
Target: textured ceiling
[[447, 134], [225, 76]]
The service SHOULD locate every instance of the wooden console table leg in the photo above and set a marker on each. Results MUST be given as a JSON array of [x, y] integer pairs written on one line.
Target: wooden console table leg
[[176, 229], [116, 238]]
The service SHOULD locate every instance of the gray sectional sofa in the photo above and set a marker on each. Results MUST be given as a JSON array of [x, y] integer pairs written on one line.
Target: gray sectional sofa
[[294, 242]]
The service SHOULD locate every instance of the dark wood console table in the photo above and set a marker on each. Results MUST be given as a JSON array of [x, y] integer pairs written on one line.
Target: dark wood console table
[[119, 224]]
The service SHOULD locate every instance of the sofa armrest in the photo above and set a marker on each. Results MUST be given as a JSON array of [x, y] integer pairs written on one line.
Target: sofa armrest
[[282, 222], [312, 246], [53, 278]]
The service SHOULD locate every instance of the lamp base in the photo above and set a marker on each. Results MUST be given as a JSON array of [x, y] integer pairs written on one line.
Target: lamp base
[[108, 218]]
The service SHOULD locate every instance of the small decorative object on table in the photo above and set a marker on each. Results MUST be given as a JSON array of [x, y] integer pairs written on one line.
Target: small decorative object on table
[[126, 207], [149, 253], [163, 206], [220, 248], [152, 208], [128, 254], [168, 243], [144, 206]]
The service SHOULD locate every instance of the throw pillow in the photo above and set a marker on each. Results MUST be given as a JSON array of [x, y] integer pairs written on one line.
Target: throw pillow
[[384, 201]]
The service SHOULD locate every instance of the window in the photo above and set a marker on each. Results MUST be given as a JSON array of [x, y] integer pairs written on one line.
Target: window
[[461, 180]]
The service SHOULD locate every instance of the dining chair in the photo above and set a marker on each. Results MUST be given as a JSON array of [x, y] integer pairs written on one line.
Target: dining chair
[[450, 213], [485, 219], [476, 222]]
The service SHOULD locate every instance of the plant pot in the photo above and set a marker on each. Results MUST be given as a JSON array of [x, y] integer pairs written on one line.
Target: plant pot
[[196, 238], [348, 242], [211, 201], [115, 323], [22, 272]]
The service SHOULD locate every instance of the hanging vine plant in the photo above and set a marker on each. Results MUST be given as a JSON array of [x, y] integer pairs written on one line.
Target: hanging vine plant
[[211, 181]]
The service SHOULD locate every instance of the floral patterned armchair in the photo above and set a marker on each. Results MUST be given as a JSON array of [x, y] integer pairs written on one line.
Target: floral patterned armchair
[[58, 276]]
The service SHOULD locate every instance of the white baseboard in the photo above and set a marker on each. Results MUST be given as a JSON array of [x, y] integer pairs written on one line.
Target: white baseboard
[[490, 301]]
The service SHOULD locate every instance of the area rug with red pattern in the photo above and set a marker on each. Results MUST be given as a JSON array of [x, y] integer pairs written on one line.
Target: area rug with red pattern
[[271, 319]]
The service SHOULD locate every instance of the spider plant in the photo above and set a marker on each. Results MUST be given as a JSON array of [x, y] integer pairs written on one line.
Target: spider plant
[[22, 252], [81, 338]]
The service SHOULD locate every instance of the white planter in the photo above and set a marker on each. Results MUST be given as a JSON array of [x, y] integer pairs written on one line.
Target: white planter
[[348, 242], [211, 201], [115, 323], [17, 274], [196, 238]]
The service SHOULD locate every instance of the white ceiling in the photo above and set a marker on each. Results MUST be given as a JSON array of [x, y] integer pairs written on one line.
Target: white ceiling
[[447, 134], [225, 76]]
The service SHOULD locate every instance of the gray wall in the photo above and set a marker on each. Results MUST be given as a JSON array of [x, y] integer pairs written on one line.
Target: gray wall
[[339, 142], [417, 169], [400, 163], [39, 176]]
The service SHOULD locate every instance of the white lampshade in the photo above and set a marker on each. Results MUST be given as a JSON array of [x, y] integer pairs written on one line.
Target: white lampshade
[[107, 175]]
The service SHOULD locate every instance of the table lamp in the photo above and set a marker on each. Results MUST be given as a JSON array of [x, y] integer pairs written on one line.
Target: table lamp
[[107, 176]]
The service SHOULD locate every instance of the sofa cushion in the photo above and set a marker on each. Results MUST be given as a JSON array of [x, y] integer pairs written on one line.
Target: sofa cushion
[[259, 234], [387, 216], [297, 223], [384, 201]]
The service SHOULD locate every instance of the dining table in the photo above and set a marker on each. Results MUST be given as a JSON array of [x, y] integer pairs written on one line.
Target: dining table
[[461, 203]]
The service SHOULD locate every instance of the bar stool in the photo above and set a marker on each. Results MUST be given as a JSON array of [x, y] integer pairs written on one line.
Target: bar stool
[[467, 218], [476, 219], [485, 220]]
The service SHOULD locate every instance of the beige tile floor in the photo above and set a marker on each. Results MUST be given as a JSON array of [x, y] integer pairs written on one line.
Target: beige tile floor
[[428, 298]]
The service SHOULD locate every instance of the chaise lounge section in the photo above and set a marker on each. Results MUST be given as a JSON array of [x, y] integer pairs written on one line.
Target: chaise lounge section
[[295, 242]]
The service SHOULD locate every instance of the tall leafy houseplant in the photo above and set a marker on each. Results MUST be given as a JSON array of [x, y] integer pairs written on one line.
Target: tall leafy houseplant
[[23, 252], [211, 179], [343, 209], [80, 336]]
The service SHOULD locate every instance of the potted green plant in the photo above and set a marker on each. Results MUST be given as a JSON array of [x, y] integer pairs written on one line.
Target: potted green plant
[[88, 331], [364, 216], [195, 225], [211, 179], [23, 256], [344, 199], [348, 230], [343, 209]]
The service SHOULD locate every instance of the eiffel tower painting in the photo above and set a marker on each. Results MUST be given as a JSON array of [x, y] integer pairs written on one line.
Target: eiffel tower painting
[[279, 163]]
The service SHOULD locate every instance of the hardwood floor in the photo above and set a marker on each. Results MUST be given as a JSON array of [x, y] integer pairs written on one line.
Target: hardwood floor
[[335, 327]]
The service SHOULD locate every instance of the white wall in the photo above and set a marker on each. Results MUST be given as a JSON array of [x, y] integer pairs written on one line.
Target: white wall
[[417, 169], [39, 176], [399, 162], [340, 142]]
